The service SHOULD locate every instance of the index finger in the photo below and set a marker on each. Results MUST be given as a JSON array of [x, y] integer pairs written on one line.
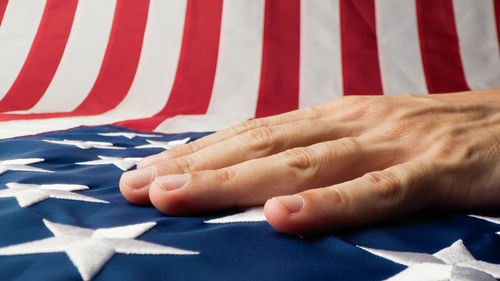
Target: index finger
[[197, 145]]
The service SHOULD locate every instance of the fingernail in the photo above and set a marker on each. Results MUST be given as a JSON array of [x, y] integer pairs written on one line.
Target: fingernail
[[171, 182], [139, 178], [292, 203], [148, 161]]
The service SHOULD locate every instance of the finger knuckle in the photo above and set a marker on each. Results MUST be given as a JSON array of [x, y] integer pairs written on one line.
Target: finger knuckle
[[249, 125], [226, 174], [299, 158], [184, 164], [190, 147], [335, 197], [387, 184], [348, 145], [364, 105], [259, 139], [312, 112]]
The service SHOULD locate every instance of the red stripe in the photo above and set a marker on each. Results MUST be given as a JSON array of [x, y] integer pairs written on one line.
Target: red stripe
[[194, 79], [121, 59], [279, 81], [119, 64], [3, 6], [496, 4], [439, 44], [360, 65], [43, 58]]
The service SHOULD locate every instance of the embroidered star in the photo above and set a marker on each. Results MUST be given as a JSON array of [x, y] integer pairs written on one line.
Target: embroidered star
[[128, 135], [164, 144], [452, 263], [122, 163], [254, 214], [490, 219], [21, 165], [86, 144], [89, 249], [29, 194]]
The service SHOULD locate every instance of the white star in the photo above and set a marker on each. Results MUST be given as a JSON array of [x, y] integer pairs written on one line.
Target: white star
[[21, 165], [89, 249], [128, 135], [86, 144], [452, 263], [29, 194], [122, 163], [164, 144], [254, 214]]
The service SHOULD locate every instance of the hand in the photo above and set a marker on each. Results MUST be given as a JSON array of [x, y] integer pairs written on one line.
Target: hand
[[352, 161]]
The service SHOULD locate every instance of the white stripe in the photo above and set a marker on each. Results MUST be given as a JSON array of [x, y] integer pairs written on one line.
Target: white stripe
[[17, 32], [82, 58], [320, 56], [236, 84], [152, 82], [12, 129], [399, 48], [477, 36], [157, 66]]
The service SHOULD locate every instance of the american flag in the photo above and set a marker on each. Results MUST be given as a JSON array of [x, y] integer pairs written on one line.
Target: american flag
[[88, 87]]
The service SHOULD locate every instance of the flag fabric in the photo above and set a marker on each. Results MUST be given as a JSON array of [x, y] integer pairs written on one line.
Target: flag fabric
[[63, 218], [188, 65], [89, 87]]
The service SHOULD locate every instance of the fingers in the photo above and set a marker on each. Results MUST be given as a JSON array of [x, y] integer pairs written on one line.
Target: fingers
[[395, 191], [192, 147], [253, 182], [256, 143]]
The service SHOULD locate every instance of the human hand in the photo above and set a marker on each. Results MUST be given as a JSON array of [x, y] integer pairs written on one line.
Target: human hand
[[352, 161]]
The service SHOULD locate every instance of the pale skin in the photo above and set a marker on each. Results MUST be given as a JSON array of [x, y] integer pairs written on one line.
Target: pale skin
[[350, 162]]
